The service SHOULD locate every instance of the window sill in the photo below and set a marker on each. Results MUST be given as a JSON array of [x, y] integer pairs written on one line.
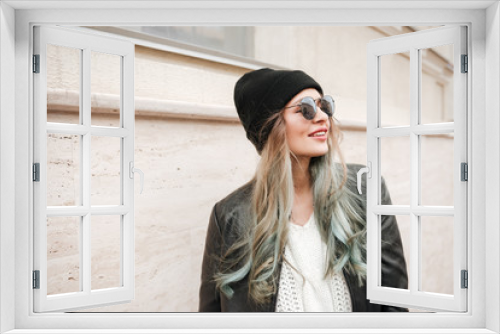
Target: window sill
[[247, 331]]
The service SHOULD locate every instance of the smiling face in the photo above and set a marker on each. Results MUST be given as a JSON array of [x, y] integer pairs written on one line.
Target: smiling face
[[306, 138]]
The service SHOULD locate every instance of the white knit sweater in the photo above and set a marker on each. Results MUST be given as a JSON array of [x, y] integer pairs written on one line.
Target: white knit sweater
[[307, 290]]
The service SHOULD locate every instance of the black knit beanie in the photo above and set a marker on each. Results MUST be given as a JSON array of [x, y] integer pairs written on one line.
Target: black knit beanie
[[261, 93]]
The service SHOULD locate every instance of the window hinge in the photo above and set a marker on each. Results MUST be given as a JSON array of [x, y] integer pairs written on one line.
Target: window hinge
[[465, 279], [465, 64], [36, 63], [36, 279], [36, 172], [464, 171]]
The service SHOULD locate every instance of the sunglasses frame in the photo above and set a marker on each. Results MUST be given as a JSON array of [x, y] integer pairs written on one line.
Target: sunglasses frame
[[308, 101]]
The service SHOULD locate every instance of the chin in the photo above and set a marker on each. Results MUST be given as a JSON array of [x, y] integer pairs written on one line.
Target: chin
[[311, 152], [316, 153], [319, 154]]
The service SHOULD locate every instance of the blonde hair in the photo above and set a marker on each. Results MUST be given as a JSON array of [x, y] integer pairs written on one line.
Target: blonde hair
[[261, 243]]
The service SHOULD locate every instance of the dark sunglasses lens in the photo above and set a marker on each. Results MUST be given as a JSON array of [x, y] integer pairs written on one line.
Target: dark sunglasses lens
[[328, 105], [308, 108]]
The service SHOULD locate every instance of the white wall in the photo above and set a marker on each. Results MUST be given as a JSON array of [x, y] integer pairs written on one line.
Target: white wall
[[251, 16], [7, 189], [492, 163]]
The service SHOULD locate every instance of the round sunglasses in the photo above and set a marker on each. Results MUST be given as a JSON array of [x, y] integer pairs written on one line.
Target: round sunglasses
[[308, 106]]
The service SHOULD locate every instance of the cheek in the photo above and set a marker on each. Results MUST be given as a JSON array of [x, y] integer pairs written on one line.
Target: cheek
[[295, 138], [296, 128], [292, 132]]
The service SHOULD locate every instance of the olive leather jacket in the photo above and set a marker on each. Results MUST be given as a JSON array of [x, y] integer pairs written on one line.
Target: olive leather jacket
[[226, 220]]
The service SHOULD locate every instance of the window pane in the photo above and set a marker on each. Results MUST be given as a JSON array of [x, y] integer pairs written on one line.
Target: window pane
[[106, 252], [395, 77], [105, 169], [63, 84], [395, 168], [63, 255], [388, 249], [105, 89], [436, 170], [63, 169], [437, 84], [436, 252]]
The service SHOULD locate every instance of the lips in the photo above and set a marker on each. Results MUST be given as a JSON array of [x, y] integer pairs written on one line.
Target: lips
[[319, 132]]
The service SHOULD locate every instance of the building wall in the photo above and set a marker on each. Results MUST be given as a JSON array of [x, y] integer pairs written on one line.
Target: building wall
[[192, 160]]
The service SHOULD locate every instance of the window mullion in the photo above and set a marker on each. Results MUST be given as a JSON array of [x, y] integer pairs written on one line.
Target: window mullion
[[40, 155], [460, 155], [85, 254], [127, 155], [56, 211], [415, 265], [76, 129], [420, 210], [86, 167]]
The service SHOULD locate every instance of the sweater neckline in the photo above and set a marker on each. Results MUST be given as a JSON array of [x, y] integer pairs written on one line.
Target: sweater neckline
[[303, 227]]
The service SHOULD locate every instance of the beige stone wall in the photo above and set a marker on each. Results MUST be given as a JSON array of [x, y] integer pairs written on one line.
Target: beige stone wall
[[168, 76], [334, 56], [191, 161]]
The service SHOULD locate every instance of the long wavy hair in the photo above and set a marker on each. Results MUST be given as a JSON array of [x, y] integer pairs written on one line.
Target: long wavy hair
[[259, 248]]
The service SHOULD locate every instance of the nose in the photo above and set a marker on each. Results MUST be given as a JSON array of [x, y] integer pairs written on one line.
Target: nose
[[320, 116]]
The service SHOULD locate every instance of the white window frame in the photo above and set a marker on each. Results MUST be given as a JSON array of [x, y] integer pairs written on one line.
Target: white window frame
[[414, 297], [483, 145], [84, 210]]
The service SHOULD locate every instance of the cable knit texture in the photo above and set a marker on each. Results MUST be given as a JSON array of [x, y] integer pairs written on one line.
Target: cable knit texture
[[306, 289]]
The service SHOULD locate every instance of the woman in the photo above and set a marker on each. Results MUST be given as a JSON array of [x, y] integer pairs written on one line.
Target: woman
[[294, 237]]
